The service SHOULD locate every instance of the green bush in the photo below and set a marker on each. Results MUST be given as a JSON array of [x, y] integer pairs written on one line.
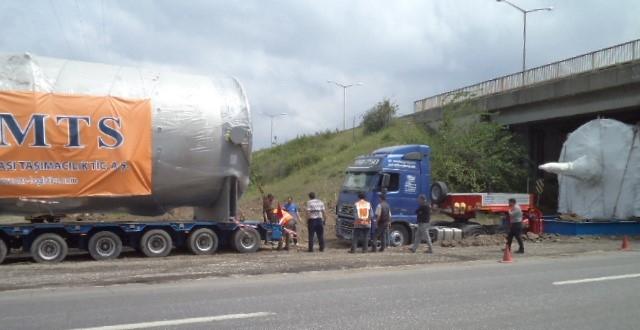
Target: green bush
[[474, 155], [379, 116]]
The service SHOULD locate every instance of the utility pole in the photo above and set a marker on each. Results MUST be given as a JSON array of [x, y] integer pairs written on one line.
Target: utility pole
[[353, 129]]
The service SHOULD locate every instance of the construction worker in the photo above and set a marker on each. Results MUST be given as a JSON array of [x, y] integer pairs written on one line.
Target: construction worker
[[362, 223], [293, 209], [267, 209], [316, 217], [423, 214], [287, 221], [383, 221], [515, 225]]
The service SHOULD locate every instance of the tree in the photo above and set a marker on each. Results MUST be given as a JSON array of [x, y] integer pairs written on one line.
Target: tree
[[379, 116], [471, 153]]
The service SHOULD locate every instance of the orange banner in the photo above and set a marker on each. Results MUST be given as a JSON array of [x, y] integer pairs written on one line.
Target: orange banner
[[54, 145]]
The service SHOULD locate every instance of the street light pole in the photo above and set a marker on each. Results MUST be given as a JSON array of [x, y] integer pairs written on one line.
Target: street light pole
[[344, 99], [524, 29], [524, 41], [271, 116]]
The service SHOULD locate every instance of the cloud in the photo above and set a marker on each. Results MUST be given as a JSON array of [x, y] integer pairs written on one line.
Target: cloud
[[284, 51]]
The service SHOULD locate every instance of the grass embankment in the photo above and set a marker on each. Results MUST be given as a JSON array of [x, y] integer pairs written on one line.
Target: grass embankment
[[317, 163]]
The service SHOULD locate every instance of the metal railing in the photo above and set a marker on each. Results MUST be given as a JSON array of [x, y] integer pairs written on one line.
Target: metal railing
[[621, 53]]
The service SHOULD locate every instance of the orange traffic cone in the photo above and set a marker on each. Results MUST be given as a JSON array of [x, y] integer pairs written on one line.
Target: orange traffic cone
[[507, 258], [625, 244]]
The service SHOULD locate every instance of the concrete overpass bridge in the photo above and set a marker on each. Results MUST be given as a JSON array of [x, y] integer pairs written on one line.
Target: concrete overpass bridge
[[543, 104]]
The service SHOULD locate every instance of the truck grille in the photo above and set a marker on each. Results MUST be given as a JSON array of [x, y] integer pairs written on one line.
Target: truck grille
[[344, 228], [346, 209]]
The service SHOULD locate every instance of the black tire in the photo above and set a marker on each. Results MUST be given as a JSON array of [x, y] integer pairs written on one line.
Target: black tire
[[472, 230], [398, 235], [203, 241], [439, 192], [49, 248], [156, 243], [442, 223], [246, 240], [104, 245], [433, 233], [3, 250]]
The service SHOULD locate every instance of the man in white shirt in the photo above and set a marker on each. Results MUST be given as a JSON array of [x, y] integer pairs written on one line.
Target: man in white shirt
[[515, 225], [316, 217]]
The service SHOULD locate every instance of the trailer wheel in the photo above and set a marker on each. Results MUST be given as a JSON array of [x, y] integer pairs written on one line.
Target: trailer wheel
[[398, 235], [3, 250], [156, 243], [246, 240], [49, 248], [203, 241], [104, 245], [439, 192]]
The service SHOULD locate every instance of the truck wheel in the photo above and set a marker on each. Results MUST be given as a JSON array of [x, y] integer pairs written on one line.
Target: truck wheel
[[398, 235], [203, 241], [104, 245], [471, 230], [156, 243], [439, 192], [49, 248], [246, 240], [3, 250], [433, 234]]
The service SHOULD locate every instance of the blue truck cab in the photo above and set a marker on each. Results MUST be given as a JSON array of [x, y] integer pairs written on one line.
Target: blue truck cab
[[404, 172]]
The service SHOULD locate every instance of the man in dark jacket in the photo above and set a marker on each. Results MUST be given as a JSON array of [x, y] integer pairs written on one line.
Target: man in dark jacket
[[423, 214], [383, 221]]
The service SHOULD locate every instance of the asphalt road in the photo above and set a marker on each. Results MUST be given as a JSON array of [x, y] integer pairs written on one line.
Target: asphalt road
[[586, 292]]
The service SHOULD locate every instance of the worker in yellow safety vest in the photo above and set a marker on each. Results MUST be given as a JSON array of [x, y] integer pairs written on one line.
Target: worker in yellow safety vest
[[361, 224]]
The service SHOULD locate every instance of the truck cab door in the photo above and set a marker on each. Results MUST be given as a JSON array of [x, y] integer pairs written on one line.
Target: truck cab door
[[402, 194]]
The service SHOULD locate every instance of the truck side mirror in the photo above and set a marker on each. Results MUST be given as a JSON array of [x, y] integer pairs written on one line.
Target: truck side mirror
[[385, 181]]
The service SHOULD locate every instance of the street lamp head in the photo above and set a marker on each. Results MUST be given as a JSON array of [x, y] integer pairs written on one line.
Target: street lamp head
[[271, 115], [539, 9]]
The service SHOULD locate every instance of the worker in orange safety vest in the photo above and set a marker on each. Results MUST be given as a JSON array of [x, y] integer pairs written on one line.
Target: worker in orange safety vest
[[362, 224], [287, 221]]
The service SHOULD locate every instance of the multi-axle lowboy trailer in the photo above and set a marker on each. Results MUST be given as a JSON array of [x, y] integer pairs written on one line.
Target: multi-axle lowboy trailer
[[50, 242]]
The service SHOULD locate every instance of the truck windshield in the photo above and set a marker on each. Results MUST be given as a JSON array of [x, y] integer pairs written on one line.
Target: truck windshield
[[360, 181]]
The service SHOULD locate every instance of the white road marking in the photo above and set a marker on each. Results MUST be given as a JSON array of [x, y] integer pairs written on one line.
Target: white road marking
[[597, 279], [166, 323]]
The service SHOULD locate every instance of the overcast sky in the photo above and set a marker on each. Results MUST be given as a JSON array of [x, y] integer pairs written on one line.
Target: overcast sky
[[285, 51]]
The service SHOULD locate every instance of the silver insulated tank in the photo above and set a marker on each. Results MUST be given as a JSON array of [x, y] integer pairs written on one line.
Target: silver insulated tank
[[201, 134]]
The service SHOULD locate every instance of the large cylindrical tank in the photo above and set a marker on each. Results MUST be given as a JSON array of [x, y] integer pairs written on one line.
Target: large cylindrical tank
[[599, 171], [201, 133]]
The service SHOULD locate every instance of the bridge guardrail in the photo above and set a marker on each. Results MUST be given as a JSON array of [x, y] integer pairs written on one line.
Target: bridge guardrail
[[626, 52]]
